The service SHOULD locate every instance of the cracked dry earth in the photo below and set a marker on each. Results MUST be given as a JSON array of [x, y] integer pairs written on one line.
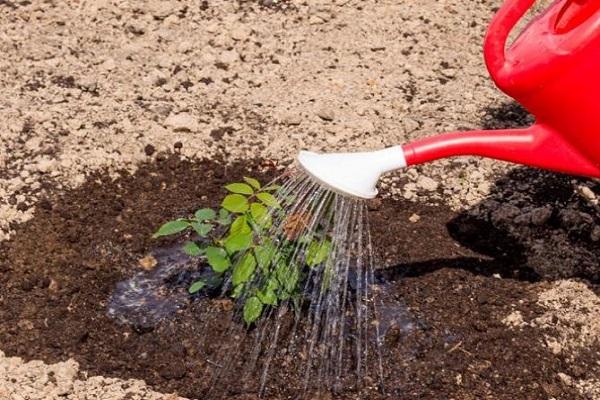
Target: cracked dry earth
[[107, 86]]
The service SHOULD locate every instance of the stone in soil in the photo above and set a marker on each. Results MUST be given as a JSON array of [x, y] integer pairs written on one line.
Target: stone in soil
[[182, 122]]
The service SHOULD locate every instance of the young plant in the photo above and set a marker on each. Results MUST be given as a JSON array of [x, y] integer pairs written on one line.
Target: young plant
[[258, 264]]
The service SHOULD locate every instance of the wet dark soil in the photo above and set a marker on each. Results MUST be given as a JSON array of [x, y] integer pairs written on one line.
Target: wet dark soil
[[452, 279]]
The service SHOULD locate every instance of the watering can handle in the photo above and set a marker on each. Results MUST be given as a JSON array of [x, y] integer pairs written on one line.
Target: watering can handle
[[495, 40]]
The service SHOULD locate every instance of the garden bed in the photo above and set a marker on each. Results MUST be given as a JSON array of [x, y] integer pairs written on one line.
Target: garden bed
[[450, 281]]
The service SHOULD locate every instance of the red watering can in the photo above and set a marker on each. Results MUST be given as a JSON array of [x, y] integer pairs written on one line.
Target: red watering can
[[552, 69]]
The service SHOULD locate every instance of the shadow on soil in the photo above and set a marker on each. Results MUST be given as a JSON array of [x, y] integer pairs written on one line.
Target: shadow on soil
[[534, 225], [506, 116]]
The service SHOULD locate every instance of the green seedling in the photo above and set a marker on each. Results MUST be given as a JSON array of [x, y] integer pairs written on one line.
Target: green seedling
[[235, 241]]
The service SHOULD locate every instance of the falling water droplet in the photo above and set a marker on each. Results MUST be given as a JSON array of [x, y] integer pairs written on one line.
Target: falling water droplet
[[324, 326], [335, 328]]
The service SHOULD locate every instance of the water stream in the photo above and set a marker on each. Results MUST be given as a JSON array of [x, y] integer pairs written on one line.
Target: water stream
[[329, 330]]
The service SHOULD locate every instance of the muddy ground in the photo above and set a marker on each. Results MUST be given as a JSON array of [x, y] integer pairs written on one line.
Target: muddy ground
[[472, 324], [117, 116]]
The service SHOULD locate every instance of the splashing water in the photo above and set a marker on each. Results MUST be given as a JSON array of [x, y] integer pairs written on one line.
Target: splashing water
[[326, 331], [335, 329]]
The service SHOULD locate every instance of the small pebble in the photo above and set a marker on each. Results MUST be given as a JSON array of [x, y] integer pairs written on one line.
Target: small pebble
[[108, 65], [326, 114], [414, 218], [148, 263], [539, 216], [291, 120], [240, 32], [587, 193], [185, 46], [595, 235], [228, 57], [426, 183], [182, 122], [316, 20], [53, 286], [149, 150], [45, 165]]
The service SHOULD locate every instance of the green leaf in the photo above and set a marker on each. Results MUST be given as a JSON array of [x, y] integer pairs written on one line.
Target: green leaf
[[217, 259], [192, 249], [201, 229], [267, 295], [244, 269], [253, 182], [264, 254], [272, 284], [283, 296], [204, 214], [271, 188], [291, 280], [171, 228], [237, 291], [235, 203], [287, 276], [317, 252], [224, 217], [196, 287], [238, 241], [240, 225], [252, 309], [268, 199], [213, 281], [260, 214], [240, 188]]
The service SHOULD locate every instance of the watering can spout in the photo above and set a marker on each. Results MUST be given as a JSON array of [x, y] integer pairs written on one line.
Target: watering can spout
[[356, 174], [352, 174]]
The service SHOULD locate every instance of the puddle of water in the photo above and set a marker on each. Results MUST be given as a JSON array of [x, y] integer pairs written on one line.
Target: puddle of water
[[394, 314], [149, 297]]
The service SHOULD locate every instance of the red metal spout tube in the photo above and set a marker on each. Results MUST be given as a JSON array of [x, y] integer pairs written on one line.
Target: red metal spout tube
[[537, 146]]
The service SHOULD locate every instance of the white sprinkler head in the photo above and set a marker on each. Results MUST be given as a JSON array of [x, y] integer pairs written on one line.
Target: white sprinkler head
[[352, 174]]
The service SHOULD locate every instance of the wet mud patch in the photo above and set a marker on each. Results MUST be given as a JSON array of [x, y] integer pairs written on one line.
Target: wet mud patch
[[445, 298]]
